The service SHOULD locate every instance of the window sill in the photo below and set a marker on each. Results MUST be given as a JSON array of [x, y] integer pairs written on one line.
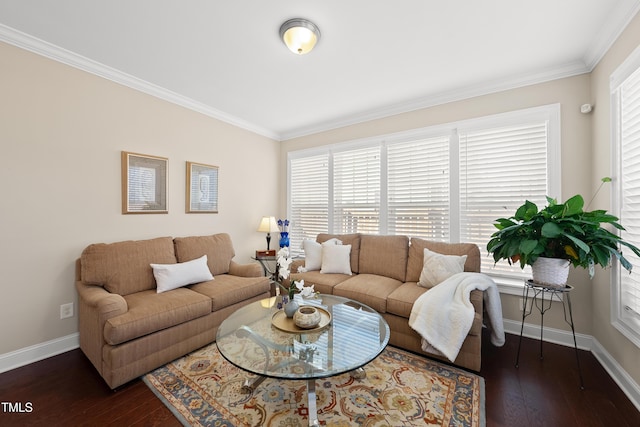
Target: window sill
[[510, 286]]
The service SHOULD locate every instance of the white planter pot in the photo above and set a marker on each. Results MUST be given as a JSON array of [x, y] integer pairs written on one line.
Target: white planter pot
[[551, 271]]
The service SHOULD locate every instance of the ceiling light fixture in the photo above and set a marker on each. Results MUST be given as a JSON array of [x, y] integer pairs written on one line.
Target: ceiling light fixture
[[300, 35]]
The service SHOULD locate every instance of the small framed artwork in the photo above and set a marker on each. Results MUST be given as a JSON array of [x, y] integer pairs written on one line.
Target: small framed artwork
[[144, 183], [202, 188]]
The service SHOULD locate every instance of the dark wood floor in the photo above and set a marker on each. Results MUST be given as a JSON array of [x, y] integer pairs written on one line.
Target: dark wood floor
[[66, 390]]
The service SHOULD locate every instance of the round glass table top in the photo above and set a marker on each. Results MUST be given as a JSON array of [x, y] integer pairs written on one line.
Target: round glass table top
[[355, 335]]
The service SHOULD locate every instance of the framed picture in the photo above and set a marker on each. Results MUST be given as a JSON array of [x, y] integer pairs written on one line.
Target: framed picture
[[144, 183], [202, 188]]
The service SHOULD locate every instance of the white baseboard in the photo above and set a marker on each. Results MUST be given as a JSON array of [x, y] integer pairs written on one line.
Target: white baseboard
[[585, 342], [619, 375], [556, 336], [34, 353]]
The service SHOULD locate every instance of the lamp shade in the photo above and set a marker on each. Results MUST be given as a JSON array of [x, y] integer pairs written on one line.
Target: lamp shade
[[300, 35], [268, 224]]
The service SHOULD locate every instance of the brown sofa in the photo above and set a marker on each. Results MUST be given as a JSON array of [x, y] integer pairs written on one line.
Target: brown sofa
[[386, 270], [128, 329]]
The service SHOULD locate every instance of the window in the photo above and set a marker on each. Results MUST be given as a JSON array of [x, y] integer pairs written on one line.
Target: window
[[625, 91], [308, 198], [446, 183], [418, 188], [356, 190], [500, 168]]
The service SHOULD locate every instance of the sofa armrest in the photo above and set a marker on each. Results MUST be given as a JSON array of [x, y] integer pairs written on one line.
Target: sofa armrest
[[96, 305], [477, 299], [245, 270]]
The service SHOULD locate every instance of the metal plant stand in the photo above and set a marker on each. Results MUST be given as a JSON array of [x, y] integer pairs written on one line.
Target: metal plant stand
[[537, 298]]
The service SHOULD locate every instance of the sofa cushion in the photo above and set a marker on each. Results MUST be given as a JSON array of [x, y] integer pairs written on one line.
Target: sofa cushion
[[346, 239], [416, 255], [323, 283], [227, 289], [124, 267], [438, 267], [149, 312], [217, 247], [384, 255], [401, 300], [171, 276], [369, 289]]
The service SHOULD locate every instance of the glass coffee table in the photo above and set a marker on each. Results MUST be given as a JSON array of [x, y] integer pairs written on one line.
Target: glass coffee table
[[255, 340]]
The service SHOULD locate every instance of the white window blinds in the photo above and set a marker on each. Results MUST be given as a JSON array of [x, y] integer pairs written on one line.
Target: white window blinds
[[418, 188], [308, 198], [629, 140], [356, 186], [500, 168]]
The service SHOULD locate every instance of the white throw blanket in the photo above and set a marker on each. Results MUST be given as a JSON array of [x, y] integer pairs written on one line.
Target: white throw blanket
[[444, 315]]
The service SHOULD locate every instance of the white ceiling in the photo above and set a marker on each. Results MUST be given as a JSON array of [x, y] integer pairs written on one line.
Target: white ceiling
[[375, 57]]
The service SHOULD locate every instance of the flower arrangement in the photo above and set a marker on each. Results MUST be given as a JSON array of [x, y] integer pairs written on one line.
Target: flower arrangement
[[283, 225], [297, 286]]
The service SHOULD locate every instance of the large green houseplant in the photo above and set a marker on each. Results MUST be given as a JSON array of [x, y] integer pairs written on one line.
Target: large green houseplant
[[559, 230]]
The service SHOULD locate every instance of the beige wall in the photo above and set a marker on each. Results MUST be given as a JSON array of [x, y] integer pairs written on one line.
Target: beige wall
[[570, 93], [61, 134], [620, 348]]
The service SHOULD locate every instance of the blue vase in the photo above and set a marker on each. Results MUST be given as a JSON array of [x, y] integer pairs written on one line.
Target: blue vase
[[290, 308], [284, 239]]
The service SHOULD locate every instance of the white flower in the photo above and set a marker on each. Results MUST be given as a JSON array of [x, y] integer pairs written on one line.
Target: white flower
[[306, 292], [283, 263], [299, 285], [283, 252]]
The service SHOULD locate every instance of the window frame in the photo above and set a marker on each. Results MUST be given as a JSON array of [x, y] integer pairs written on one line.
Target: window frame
[[631, 330]]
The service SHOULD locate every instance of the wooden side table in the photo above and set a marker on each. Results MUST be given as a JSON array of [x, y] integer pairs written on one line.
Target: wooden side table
[[536, 293]]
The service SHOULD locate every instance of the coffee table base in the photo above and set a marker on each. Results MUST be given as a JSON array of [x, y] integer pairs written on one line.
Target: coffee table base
[[311, 396]]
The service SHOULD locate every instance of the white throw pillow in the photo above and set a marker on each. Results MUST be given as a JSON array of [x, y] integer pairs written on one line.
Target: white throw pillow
[[438, 267], [172, 276], [336, 259], [313, 253], [334, 241]]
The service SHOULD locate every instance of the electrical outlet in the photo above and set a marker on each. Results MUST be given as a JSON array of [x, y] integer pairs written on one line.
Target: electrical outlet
[[66, 310]]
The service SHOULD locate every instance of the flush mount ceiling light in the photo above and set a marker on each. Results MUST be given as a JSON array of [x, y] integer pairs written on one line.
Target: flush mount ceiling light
[[300, 35]]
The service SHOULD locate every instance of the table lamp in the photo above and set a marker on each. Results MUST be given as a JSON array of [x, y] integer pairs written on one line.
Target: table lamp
[[267, 225]]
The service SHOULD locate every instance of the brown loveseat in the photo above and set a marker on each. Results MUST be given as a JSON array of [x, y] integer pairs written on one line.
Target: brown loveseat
[[127, 328], [386, 270]]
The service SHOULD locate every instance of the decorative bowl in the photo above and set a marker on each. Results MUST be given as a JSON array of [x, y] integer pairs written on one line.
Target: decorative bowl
[[307, 317]]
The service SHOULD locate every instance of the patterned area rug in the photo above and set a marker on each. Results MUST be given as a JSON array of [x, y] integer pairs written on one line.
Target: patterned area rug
[[400, 389]]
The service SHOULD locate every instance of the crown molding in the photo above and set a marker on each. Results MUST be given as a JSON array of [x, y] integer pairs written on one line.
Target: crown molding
[[604, 39], [48, 50]]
